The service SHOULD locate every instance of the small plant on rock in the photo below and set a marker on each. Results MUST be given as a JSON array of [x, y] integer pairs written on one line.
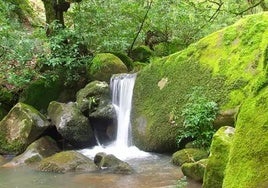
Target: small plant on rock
[[199, 113]]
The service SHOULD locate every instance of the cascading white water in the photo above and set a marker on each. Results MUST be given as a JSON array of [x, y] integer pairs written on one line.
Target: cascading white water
[[122, 89]]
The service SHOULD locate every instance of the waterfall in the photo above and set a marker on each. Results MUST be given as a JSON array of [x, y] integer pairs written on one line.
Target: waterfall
[[122, 90]]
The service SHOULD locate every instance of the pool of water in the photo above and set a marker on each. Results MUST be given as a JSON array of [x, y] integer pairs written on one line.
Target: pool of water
[[153, 171]]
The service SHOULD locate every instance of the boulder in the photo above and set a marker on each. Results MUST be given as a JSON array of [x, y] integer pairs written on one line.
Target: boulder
[[38, 150], [228, 65], [112, 164], [71, 124], [189, 155], [218, 158], [95, 100], [225, 118], [22, 125], [104, 65], [141, 54], [248, 157], [67, 161], [195, 170]]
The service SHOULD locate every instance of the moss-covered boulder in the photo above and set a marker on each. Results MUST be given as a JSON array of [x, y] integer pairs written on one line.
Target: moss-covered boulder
[[22, 125], [112, 164], [104, 65], [71, 123], [195, 170], [67, 161], [229, 64], [248, 158], [41, 148], [141, 54], [125, 59], [218, 158], [189, 155]]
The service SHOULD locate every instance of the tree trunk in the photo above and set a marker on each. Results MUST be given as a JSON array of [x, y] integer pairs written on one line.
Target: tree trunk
[[54, 10]]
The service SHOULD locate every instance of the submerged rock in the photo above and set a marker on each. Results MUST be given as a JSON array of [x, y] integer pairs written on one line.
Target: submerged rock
[[21, 127], [67, 161], [112, 164], [104, 65], [38, 150], [71, 123], [218, 158], [189, 155], [195, 170]]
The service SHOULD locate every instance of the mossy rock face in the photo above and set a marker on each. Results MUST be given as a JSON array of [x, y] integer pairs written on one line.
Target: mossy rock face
[[225, 118], [195, 170], [104, 65], [141, 54], [22, 125], [229, 65], [41, 148], [189, 155], [218, 158], [248, 158], [67, 161], [71, 123]]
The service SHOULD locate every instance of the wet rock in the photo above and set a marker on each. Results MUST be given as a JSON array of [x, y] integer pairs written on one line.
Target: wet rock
[[189, 155], [20, 128], [95, 101], [67, 161], [112, 164], [195, 170], [71, 123], [90, 96], [218, 158], [38, 150]]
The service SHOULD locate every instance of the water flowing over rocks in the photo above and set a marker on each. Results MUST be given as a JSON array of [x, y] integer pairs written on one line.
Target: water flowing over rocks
[[20, 128], [71, 123]]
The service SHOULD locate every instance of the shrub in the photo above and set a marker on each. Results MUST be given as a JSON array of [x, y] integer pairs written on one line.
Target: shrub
[[199, 113]]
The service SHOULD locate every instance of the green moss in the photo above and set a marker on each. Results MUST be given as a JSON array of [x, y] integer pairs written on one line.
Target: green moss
[[189, 155], [195, 170], [218, 158], [221, 63], [104, 65], [141, 53], [249, 151], [39, 94]]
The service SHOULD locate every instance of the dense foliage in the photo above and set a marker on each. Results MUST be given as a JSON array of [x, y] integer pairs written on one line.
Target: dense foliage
[[199, 114]]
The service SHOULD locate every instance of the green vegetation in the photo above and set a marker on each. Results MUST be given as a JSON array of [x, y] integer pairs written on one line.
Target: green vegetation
[[199, 114]]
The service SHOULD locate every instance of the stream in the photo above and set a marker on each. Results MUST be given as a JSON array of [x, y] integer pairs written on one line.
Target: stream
[[154, 171]]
